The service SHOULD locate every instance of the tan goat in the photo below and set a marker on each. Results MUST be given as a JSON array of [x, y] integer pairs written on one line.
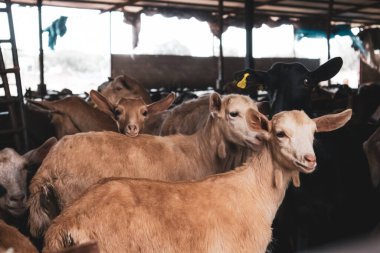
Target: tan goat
[[80, 160], [73, 115], [123, 86], [186, 118], [11, 238], [230, 212], [130, 113]]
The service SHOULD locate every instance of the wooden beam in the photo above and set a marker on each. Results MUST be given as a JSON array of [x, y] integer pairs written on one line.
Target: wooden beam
[[356, 8]]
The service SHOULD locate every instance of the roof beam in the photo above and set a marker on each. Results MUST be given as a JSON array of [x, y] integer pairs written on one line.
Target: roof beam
[[359, 7]]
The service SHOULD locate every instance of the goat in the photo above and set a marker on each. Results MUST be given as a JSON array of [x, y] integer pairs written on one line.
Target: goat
[[130, 113], [73, 115], [11, 238], [230, 212], [80, 160], [289, 85], [123, 86], [13, 179], [186, 118], [15, 173]]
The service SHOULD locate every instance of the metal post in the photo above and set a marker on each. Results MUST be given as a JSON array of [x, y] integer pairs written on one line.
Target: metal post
[[249, 62], [110, 43], [328, 35], [41, 86], [220, 81]]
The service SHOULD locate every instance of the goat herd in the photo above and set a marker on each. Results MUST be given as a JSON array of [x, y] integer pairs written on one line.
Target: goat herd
[[206, 175]]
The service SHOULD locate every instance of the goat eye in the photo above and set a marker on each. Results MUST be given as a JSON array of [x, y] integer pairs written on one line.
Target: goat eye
[[280, 134], [145, 113], [234, 114], [3, 191], [117, 113], [306, 82]]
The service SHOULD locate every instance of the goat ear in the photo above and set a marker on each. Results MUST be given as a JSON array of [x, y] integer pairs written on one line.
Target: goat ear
[[36, 156], [215, 104], [250, 77], [257, 121], [327, 70], [102, 103], [162, 104], [332, 122]]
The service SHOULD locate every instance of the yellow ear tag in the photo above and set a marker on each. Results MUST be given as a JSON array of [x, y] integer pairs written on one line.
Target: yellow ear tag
[[243, 82]]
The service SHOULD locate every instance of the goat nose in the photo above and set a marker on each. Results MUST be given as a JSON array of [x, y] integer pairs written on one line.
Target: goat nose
[[132, 127], [310, 158], [17, 197]]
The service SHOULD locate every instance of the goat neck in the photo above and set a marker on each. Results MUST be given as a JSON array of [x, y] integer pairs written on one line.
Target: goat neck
[[210, 142]]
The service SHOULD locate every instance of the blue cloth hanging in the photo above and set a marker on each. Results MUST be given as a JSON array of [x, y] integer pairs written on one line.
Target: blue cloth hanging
[[341, 30], [58, 27]]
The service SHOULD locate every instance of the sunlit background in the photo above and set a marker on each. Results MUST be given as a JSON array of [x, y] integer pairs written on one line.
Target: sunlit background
[[81, 58]]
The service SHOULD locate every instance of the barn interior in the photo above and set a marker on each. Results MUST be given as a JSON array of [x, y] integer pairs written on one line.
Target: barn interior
[[337, 208]]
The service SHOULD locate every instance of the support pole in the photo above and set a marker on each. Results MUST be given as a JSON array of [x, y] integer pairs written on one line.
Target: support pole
[[249, 62], [220, 81], [110, 43], [41, 86], [328, 34]]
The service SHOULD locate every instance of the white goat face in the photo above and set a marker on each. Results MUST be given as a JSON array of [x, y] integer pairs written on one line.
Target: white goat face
[[13, 175], [234, 110], [293, 136]]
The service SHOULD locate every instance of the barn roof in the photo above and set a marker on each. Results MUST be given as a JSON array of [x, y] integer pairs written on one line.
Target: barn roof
[[357, 12]]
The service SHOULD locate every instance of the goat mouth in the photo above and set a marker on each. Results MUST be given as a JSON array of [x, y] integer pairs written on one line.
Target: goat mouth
[[305, 168], [16, 210], [255, 142], [131, 134]]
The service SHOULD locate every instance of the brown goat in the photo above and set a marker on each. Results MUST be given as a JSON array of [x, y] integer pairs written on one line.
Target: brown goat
[[130, 113], [11, 238], [74, 115], [80, 160], [230, 212], [123, 86]]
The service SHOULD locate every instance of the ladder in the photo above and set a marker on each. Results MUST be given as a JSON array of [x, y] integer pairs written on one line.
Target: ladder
[[12, 124]]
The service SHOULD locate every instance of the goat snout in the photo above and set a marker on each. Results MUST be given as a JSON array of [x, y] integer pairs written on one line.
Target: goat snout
[[17, 197], [311, 160], [132, 130], [16, 204]]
